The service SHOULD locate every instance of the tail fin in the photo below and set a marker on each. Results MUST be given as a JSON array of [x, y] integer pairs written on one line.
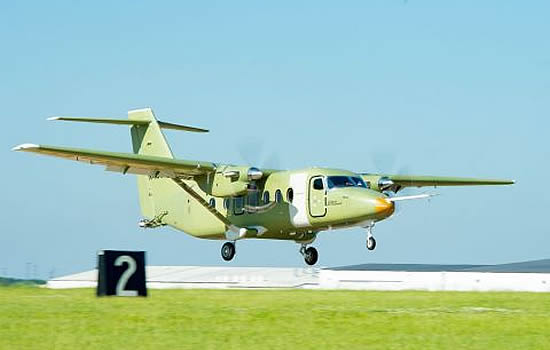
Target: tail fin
[[148, 139], [147, 136]]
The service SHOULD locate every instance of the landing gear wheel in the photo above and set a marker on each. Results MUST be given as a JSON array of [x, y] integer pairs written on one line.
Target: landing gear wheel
[[371, 243], [228, 251], [311, 256]]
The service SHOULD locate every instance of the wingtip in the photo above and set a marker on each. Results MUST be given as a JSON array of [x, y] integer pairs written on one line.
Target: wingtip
[[25, 146], [53, 118]]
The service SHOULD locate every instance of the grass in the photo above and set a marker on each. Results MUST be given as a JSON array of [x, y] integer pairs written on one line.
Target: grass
[[38, 318]]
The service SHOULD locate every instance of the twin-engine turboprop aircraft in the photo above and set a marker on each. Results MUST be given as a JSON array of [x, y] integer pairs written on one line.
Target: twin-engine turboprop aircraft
[[227, 202]]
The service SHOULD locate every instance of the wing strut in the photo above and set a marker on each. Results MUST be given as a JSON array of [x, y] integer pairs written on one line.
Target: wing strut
[[201, 200], [235, 233]]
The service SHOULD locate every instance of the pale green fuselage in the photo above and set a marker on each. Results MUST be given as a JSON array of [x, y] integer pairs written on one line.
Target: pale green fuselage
[[298, 218]]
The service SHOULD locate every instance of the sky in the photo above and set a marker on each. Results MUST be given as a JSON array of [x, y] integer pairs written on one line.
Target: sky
[[457, 88]]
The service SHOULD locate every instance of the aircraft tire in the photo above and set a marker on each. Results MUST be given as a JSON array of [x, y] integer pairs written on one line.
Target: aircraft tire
[[311, 256], [228, 251], [371, 243]]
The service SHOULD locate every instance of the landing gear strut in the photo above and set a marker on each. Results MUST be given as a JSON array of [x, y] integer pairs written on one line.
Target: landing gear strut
[[228, 251], [310, 254], [371, 242]]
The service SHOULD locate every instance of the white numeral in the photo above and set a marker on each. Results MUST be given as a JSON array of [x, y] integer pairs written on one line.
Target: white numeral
[[123, 280]]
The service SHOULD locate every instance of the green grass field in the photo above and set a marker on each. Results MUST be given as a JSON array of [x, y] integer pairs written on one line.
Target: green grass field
[[37, 318]]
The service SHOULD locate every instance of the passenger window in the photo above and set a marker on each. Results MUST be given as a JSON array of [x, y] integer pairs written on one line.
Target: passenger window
[[278, 196], [212, 203], [238, 205], [226, 203], [266, 197], [318, 184], [253, 198], [290, 195]]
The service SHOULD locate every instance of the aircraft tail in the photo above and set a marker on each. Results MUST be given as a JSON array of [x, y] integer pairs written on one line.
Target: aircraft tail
[[148, 139], [147, 136]]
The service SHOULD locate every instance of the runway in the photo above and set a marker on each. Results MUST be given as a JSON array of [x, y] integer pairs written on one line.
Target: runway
[[530, 276]]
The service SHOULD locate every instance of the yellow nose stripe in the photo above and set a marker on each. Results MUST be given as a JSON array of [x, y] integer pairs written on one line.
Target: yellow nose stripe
[[382, 205]]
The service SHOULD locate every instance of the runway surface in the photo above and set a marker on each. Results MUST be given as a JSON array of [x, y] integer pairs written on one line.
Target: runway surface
[[531, 276], [535, 266]]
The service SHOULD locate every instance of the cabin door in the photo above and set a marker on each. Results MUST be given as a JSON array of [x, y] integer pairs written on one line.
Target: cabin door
[[317, 197]]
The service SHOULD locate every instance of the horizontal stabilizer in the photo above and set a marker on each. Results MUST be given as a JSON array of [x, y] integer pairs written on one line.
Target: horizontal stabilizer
[[166, 125], [163, 125]]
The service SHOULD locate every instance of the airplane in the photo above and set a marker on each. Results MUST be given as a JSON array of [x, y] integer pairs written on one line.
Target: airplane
[[234, 202]]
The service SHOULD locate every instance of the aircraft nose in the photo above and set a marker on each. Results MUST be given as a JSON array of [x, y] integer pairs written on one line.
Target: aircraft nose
[[383, 206]]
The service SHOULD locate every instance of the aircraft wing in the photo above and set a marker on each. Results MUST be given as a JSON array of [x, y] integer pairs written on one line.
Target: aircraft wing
[[422, 181], [126, 163], [397, 182]]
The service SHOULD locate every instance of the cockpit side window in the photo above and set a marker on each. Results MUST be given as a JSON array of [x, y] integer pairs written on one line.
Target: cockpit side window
[[340, 181], [345, 181], [359, 182]]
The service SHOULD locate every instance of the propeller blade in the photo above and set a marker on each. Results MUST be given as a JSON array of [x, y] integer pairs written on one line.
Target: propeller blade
[[251, 151], [254, 152], [406, 198]]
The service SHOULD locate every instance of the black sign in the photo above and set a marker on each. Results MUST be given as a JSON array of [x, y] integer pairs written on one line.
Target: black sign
[[121, 273]]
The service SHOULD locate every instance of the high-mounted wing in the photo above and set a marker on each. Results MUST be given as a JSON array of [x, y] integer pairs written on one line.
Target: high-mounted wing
[[126, 163], [395, 183]]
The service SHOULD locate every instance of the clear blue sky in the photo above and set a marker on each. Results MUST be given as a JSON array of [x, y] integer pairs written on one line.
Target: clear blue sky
[[437, 88]]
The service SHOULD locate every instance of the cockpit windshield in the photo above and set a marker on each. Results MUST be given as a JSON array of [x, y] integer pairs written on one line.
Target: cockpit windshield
[[345, 181]]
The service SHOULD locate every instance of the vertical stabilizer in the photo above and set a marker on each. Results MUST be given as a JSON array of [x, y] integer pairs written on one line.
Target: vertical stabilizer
[[148, 139]]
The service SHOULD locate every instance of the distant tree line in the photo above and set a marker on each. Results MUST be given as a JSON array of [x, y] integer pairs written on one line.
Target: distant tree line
[[4, 281]]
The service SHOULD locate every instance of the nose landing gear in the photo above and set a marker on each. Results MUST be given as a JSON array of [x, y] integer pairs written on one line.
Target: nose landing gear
[[310, 254], [371, 242], [228, 251]]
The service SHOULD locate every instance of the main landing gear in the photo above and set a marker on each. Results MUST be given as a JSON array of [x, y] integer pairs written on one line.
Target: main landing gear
[[228, 251], [310, 254], [371, 242]]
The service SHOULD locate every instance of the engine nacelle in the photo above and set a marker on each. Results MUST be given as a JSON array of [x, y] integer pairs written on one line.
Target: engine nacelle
[[380, 183], [233, 181]]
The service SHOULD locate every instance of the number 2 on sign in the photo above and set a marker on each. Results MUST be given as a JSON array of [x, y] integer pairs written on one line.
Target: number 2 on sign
[[123, 280]]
